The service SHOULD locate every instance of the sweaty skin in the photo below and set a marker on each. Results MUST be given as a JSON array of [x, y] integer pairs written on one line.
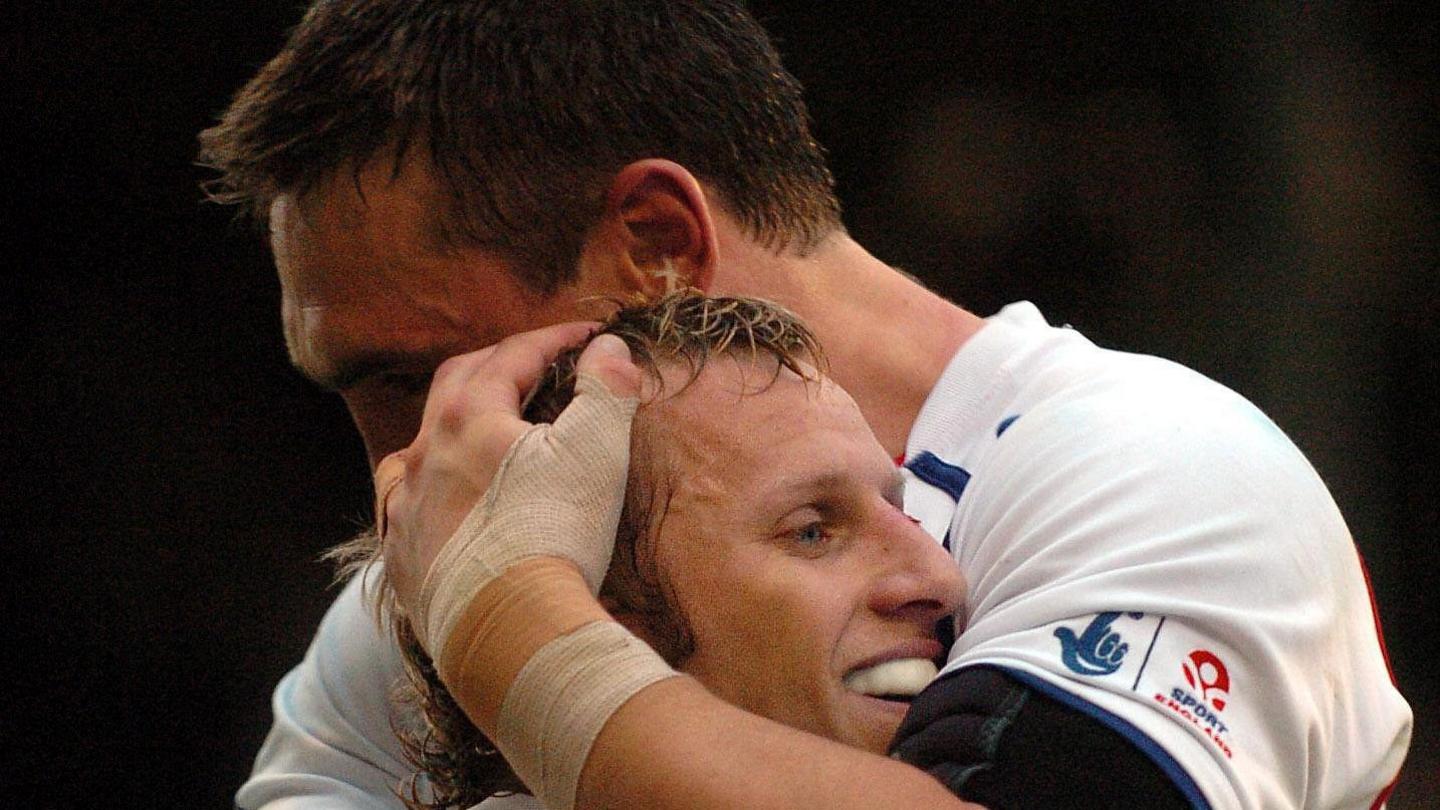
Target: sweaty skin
[[825, 509]]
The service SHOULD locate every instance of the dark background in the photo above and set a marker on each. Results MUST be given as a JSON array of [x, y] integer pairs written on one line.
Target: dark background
[[1251, 191]]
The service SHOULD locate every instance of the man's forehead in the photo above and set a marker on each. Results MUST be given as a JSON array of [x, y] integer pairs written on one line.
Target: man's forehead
[[731, 376], [754, 446], [321, 250], [364, 288], [732, 396], [374, 216]]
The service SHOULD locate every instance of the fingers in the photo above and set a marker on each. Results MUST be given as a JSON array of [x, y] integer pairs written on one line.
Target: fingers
[[485, 388], [389, 473], [520, 360], [607, 359], [471, 425], [500, 375], [389, 497], [607, 387]]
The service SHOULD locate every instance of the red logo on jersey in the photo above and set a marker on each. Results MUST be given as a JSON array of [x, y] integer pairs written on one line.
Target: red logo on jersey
[[1204, 671]]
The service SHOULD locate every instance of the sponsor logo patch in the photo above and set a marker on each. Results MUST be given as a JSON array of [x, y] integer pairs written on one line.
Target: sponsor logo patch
[[1097, 650], [1160, 663], [1208, 676], [1205, 671]]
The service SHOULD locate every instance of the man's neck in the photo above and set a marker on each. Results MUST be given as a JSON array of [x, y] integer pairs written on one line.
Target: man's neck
[[886, 337]]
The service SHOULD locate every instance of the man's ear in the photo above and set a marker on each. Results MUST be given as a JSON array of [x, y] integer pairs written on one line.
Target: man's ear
[[657, 233], [631, 620], [647, 625], [645, 614]]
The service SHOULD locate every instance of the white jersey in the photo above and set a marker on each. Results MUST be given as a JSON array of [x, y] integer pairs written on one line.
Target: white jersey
[[332, 745], [516, 802], [1145, 546], [1138, 541]]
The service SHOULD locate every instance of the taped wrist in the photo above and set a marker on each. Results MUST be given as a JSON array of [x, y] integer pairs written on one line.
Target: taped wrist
[[562, 698], [558, 492]]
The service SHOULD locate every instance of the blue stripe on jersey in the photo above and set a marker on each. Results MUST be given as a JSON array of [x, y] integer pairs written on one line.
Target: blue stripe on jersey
[[1005, 425], [1119, 724], [939, 474]]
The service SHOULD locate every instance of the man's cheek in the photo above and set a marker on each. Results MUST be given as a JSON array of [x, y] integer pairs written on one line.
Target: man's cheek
[[386, 425]]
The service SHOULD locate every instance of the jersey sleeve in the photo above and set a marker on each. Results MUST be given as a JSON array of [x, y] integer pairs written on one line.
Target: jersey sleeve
[[1164, 561], [991, 738], [331, 746]]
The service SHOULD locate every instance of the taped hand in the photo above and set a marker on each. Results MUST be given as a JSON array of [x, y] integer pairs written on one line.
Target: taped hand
[[481, 489]]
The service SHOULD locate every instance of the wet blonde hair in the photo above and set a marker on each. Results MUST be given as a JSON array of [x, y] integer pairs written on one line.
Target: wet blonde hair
[[457, 766]]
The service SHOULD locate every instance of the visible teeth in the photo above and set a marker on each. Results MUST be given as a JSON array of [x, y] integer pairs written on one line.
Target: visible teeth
[[903, 676]]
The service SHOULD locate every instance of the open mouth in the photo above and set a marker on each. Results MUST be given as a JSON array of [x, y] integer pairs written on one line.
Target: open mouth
[[898, 680]]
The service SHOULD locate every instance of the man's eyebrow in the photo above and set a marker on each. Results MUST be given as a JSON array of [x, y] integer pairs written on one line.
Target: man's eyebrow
[[892, 488]]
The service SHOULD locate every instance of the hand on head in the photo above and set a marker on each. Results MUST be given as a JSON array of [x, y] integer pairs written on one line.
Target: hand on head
[[474, 449]]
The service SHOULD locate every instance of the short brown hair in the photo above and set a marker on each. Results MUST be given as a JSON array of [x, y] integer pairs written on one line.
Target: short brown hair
[[525, 110], [459, 764]]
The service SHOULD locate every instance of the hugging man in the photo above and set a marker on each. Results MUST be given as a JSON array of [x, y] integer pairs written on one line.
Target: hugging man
[[1157, 578]]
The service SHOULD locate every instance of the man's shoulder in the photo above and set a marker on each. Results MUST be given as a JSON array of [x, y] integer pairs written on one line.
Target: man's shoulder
[[1020, 370], [1125, 399], [1147, 542], [1065, 369], [1101, 413], [354, 659], [333, 732], [1145, 457]]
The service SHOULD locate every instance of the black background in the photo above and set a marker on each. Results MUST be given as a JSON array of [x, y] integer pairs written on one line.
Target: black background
[[1249, 191]]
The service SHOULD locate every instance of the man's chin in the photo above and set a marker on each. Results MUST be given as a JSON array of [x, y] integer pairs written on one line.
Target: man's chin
[[872, 722]]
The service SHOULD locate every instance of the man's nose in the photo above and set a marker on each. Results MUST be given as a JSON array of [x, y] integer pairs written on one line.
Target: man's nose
[[920, 580]]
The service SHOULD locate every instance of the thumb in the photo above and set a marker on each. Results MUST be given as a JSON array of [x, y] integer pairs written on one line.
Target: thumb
[[607, 359]]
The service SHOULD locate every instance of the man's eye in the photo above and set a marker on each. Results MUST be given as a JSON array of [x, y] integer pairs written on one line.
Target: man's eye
[[812, 535], [405, 384]]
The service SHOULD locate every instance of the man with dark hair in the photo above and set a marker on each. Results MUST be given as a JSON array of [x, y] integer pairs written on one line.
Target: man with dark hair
[[522, 112], [1158, 579]]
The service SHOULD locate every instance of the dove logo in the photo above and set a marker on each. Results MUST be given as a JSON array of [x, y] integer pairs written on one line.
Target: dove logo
[[1098, 650]]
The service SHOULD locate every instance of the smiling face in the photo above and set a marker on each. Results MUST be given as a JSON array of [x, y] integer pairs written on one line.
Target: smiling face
[[783, 546], [761, 547]]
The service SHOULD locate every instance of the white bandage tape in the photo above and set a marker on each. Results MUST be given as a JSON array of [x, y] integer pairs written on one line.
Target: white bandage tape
[[558, 492], [562, 698]]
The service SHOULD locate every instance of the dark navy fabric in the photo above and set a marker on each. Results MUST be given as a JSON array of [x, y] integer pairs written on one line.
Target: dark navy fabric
[[942, 475], [1007, 740]]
